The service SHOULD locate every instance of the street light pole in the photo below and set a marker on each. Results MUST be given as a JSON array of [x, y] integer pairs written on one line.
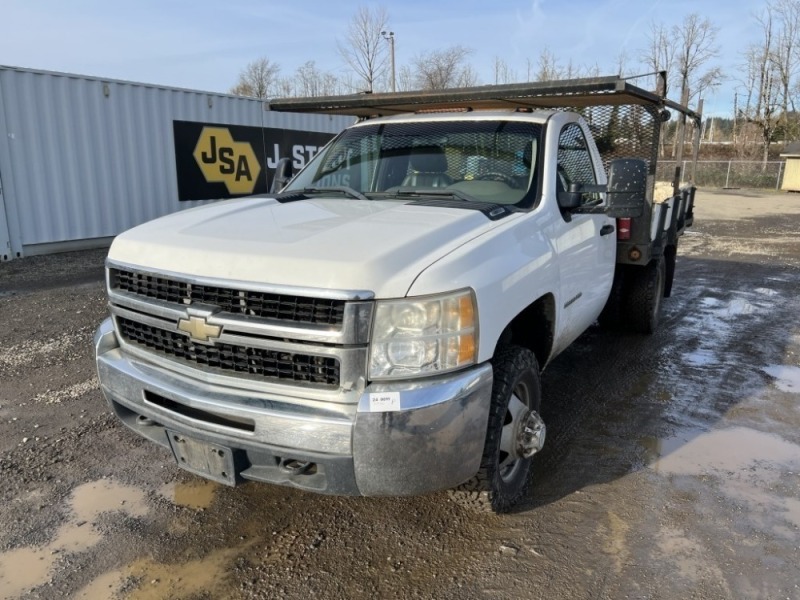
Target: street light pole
[[389, 36]]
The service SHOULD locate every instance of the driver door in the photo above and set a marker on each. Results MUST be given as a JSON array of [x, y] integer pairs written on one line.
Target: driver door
[[587, 243]]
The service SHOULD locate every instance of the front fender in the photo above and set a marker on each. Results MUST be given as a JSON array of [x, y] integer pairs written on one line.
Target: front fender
[[508, 267]]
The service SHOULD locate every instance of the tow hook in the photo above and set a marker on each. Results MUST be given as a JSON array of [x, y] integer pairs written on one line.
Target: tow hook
[[294, 466], [531, 434]]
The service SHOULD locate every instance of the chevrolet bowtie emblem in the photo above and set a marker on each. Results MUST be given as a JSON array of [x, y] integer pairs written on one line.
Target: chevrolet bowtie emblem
[[199, 329]]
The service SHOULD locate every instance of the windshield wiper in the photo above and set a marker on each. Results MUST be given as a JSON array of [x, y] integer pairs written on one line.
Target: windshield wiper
[[342, 189], [436, 192]]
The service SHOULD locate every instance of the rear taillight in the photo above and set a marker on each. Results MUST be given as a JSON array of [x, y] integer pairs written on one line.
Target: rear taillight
[[624, 228]]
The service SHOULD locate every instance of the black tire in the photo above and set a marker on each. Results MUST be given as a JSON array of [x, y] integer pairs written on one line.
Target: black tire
[[502, 479], [643, 294], [670, 258]]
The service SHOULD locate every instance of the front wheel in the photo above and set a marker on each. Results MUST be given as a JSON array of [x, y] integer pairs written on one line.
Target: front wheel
[[515, 432]]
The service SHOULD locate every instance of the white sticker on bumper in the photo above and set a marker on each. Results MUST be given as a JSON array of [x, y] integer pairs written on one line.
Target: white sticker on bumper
[[384, 402]]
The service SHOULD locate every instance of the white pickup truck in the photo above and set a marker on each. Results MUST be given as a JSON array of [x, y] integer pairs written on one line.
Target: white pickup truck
[[378, 326]]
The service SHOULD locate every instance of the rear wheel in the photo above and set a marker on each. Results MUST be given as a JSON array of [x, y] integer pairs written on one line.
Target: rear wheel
[[643, 294], [515, 432], [670, 258]]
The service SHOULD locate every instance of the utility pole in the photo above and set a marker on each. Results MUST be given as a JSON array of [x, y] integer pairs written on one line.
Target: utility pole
[[389, 37]]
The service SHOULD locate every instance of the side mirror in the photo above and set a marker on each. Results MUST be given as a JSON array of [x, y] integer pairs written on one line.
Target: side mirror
[[283, 174], [627, 187], [571, 199]]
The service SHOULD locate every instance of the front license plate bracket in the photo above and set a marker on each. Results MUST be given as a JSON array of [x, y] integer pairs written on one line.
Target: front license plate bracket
[[203, 458]]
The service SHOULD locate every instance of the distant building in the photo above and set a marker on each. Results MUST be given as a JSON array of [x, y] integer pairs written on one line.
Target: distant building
[[791, 175]]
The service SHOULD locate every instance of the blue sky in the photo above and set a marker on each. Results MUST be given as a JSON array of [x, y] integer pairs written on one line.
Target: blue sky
[[203, 45]]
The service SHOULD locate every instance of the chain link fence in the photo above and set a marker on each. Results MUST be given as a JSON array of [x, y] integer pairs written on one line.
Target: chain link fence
[[727, 173]]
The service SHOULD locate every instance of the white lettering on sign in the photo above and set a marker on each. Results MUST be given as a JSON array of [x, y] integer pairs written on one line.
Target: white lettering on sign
[[272, 161], [384, 402], [302, 154]]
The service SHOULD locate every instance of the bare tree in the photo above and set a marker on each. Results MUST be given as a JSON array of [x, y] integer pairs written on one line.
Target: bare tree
[[467, 77], [443, 69], [621, 64], [284, 87], [762, 83], [310, 81], [593, 70], [502, 72], [697, 45], [405, 79], [363, 48], [785, 54], [258, 79], [349, 84], [528, 69], [547, 67], [659, 54]]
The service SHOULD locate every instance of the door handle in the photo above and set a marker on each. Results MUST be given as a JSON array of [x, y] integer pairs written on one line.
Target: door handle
[[606, 229]]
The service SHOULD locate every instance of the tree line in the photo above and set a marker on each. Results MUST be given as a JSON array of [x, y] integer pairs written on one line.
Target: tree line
[[767, 82]]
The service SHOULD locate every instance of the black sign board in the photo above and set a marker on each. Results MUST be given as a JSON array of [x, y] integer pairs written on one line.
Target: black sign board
[[225, 161]]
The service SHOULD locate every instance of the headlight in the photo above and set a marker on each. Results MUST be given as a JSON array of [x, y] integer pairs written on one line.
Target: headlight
[[423, 336]]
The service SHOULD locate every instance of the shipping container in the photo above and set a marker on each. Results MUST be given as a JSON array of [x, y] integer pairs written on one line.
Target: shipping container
[[84, 158]]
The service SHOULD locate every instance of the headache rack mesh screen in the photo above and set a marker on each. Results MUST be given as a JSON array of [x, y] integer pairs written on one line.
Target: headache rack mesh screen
[[627, 131]]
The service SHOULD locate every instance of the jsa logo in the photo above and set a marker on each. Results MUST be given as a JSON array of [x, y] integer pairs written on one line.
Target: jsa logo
[[223, 160]]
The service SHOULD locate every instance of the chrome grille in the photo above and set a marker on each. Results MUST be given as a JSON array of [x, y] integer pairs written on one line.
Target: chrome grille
[[259, 362], [298, 309]]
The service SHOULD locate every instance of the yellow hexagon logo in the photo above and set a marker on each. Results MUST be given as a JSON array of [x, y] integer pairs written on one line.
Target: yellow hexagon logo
[[222, 160]]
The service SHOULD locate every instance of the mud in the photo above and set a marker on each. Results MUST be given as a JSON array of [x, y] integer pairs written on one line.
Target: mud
[[671, 469]]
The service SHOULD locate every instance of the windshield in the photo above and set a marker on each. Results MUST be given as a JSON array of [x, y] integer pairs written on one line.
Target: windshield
[[489, 161]]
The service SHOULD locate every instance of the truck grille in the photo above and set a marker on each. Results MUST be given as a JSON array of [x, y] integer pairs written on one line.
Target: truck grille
[[259, 362], [284, 307]]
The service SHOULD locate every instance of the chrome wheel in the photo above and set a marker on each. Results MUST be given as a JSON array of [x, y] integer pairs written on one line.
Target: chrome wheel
[[522, 435], [514, 433]]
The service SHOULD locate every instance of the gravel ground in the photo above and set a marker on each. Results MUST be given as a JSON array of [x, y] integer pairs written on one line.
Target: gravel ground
[[671, 468]]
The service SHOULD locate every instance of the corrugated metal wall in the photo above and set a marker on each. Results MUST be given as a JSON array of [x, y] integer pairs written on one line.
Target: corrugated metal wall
[[84, 158]]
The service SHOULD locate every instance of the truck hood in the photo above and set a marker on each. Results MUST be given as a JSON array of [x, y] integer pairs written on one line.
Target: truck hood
[[341, 244]]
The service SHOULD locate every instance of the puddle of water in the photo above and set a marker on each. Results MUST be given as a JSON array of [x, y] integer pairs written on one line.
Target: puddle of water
[[749, 467], [721, 309], [194, 577], [103, 587], [793, 511], [701, 358], [787, 378], [695, 452], [764, 507], [91, 499], [197, 494], [766, 291], [24, 568], [681, 551], [709, 302], [76, 536], [739, 306], [201, 576]]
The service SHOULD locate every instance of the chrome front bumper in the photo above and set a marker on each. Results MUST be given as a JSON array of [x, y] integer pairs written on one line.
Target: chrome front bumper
[[429, 437]]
